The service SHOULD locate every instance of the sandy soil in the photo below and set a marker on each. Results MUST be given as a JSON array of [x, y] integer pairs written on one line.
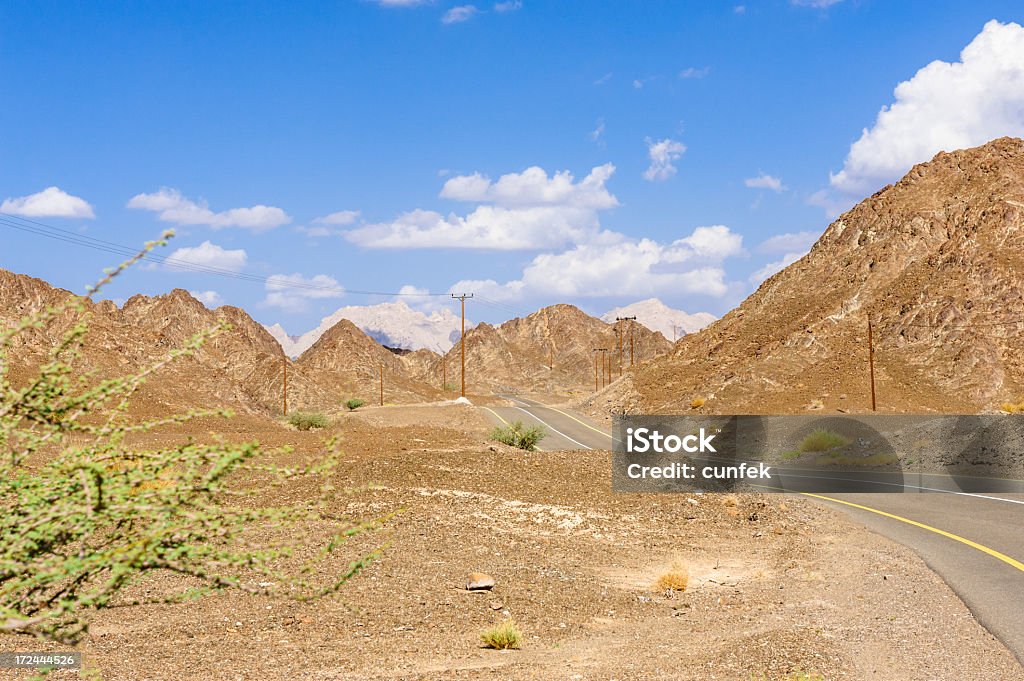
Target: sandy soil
[[776, 584]]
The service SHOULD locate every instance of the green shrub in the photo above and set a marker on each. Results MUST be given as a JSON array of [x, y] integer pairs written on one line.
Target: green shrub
[[82, 515], [503, 636], [822, 440], [518, 435], [354, 403], [307, 420]]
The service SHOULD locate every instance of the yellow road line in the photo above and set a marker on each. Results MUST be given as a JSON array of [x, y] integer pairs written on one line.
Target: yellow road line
[[582, 423], [497, 415], [949, 535]]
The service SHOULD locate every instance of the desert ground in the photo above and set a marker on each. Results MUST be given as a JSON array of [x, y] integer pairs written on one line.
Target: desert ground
[[776, 584]]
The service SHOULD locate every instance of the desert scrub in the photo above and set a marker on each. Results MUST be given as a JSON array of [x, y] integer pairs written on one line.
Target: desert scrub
[[697, 402], [307, 420], [83, 515], [518, 435], [354, 403], [675, 578], [822, 440], [503, 636]]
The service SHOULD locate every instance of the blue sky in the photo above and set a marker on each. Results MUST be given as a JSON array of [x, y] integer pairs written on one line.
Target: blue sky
[[532, 152]]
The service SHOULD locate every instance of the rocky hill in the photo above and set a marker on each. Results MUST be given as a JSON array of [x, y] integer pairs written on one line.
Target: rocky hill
[[347, 364], [241, 368], [549, 351], [934, 261]]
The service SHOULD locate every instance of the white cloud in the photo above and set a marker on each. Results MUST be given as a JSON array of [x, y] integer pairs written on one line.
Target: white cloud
[[597, 133], [833, 204], [173, 207], [776, 266], [210, 299], [342, 217], [292, 292], [945, 106], [818, 4], [52, 202], [456, 15], [509, 6], [693, 72], [765, 181], [401, 3], [663, 155], [740, 9], [789, 242], [623, 267], [208, 254], [603, 79], [519, 211]]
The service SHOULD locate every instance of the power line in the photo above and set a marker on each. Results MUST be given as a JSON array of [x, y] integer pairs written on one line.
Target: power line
[[67, 236]]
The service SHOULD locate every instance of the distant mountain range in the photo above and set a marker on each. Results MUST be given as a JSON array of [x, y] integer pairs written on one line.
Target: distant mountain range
[[397, 325], [657, 316]]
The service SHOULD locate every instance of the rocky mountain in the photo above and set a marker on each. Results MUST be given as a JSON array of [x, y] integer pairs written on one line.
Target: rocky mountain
[[657, 316], [935, 263], [347, 364], [241, 368], [394, 325], [550, 351]]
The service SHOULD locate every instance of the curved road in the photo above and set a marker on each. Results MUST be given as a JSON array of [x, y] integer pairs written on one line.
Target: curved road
[[974, 542]]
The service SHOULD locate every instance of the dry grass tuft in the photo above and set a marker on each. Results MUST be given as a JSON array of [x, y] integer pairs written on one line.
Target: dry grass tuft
[[822, 440], [697, 402], [1011, 408], [676, 579], [502, 636]]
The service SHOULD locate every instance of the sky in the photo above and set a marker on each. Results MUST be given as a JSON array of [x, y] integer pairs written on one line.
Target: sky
[[316, 155]]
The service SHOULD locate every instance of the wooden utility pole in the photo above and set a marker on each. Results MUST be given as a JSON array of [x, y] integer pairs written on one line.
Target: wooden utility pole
[[284, 393], [382, 385], [597, 350], [462, 297], [631, 346], [871, 363]]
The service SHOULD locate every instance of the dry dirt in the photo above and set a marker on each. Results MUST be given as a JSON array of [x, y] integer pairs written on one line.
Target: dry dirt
[[776, 584]]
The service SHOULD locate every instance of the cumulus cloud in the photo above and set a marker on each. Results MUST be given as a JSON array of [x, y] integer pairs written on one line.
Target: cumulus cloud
[[663, 154], [945, 106], [292, 292], [456, 15], [342, 217], [789, 242], [208, 254], [765, 181], [623, 267], [520, 211], [210, 299], [52, 202], [171, 206]]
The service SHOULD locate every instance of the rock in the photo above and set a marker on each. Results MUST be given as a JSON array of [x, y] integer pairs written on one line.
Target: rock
[[497, 605], [479, 581]]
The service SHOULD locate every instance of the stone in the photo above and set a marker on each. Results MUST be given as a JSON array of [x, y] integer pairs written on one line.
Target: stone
[[479, 581]]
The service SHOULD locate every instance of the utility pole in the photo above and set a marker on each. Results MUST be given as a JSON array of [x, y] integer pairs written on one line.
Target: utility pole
[[444, 373], [382, 385], [630, 320], [285, 392], [871, 363], [462, 297], [597, 350]]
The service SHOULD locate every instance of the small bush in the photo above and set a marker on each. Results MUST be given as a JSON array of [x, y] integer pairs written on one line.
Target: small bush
[[676, 579], [697, 402], [307, 421], [518, 435], [354, 403], [822, 440], [1011, 408], [789, 456], [503, 636]]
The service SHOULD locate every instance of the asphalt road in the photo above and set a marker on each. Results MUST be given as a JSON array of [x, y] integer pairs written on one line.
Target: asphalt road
[[975, 542]]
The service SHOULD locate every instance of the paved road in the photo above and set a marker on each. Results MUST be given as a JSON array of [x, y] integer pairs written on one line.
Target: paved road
[[975, 542]]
